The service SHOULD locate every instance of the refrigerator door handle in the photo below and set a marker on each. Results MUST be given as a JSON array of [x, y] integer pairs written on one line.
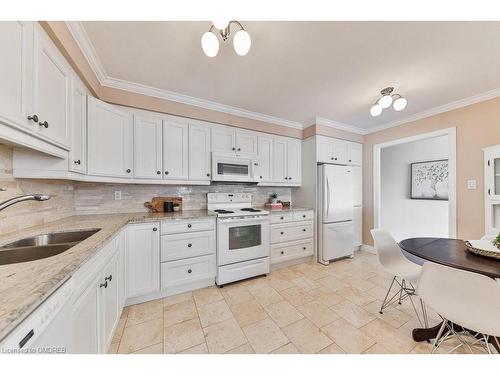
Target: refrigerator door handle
[[327, 196]]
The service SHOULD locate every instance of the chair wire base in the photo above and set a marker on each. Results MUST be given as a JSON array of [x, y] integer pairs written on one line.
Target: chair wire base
[[403, 292], [470, 340]]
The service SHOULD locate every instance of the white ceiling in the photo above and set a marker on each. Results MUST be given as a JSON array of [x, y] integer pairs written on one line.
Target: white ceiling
[[299, 70]]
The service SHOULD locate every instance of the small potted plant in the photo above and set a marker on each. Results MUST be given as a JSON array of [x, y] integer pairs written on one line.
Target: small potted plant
[[274, 198], [177, 207], [496, 241]]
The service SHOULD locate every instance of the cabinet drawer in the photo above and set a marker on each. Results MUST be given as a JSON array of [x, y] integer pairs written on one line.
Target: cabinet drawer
[[297, 249], [186, 226], [303, 216], [187, 271], [291, 232], [187, 245], [281, 217], [242, 270]]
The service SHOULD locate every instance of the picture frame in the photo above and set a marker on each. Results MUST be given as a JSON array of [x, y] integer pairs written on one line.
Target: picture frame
[[429, 180]]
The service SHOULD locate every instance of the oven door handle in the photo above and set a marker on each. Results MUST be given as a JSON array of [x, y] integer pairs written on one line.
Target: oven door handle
[[240, 220]]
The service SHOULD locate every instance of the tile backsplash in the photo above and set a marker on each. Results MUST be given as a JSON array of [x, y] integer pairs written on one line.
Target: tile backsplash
[[69, 197]]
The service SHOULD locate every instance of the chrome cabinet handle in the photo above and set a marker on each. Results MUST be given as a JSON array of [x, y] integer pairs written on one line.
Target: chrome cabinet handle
[[105, 285], [109, 278], [155, 229], [33, 118], [44, 124]]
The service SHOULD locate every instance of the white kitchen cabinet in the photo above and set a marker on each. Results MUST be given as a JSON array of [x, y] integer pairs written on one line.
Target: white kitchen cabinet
[[246, 143], [85, 318], [339, 151], [357, 181], [16, 56], [324, 150], [110, 305], [143, 259], [175, 150], [354, 153], [492, 190], [223, 139], [199, 152], [77, 161], [294, 161], [110, 146], [357, 222], [265, 168], [280, 161], [51, 90], [147, 147]]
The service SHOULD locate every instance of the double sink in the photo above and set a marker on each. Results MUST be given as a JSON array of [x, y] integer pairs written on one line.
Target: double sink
[[42, 246]]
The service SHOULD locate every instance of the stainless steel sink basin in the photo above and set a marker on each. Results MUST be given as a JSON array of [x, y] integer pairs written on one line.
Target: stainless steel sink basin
[[42, 246]]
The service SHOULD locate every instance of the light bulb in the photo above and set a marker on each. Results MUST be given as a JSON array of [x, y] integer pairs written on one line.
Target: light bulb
[[375, 110], [210, 44], [385, 101], [220, 24], [400, 104], [242, 42]]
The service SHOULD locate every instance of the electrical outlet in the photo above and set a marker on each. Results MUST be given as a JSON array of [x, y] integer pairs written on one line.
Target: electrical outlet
[[471, 184], [118, 195]]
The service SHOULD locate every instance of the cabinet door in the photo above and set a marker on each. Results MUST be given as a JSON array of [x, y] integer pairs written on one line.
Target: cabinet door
[[357, 182], [492, 176], [109, 138], [16, 56], [354, 153], [246, 143], [280, 161], [147, 147], [85, 321], [339, 151], [143, 259], [51, 90], [122, 267], [109, 294], [294, 161], [175, 150], [324, 150], [223, 139], [265, 169], [357, 221], [199, 152], [77, 155]]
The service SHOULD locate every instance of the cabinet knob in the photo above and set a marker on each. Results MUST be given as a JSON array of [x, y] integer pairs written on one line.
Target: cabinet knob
[[128, 170], [234, 148], [489, 191], [335, 158], [78, 162], [282, 218], [332, 158], [155, 229], [190, 270], [282, 233], [304, 216], [166, 172], [286, 178], [282, 252], [44, 124], [303, 229], [105, 285], [109, 278], [189, 225], [239, 149], [33, 118], [208, 174], [158, 172], [261, 177], [350, 160], [303, 247], [289, 178], [190, 244]]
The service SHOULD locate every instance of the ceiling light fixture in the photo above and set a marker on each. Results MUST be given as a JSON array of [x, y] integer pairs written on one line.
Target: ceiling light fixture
[[398, 102], [210, 42]]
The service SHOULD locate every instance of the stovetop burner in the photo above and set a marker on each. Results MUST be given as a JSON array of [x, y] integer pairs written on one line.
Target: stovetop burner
[[250, 209], [224, 212]]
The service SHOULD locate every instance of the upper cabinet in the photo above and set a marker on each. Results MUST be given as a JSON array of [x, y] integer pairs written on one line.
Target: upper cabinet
[[77, 161], [147, 147], [51, 90], [110, 145], [227, 139], [338, 151], [294, 161], [175, 150], [199, 152], [287, 161], [265, 167]]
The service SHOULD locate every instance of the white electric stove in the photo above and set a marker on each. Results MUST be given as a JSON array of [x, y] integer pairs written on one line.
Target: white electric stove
[[243, 248]]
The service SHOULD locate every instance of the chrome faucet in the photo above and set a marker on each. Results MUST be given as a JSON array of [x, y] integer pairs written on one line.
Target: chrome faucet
[[23, 198]]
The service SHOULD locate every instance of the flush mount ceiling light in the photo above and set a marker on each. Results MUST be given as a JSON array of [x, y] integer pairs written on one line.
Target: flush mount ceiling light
[[398, 102], [210, 40]]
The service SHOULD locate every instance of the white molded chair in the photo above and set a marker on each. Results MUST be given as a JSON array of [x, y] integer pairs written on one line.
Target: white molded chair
[[406, 273], [465, 299]]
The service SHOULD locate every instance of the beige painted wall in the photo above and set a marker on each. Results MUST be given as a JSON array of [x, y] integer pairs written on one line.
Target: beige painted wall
[[478, 126]]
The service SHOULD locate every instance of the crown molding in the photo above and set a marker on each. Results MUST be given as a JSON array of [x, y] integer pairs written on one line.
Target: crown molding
[[440, 109], [339, 126]]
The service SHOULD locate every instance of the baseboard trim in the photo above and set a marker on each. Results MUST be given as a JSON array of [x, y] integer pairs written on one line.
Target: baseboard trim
[[368, 249]]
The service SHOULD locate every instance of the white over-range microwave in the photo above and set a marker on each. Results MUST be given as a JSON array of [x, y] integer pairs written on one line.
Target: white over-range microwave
[[233, 168]]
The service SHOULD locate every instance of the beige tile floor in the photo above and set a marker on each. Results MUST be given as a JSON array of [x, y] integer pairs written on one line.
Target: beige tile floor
[[307, 308]]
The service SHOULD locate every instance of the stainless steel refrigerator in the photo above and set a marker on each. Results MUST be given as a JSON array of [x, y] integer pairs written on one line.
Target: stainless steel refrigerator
[[335, 212]]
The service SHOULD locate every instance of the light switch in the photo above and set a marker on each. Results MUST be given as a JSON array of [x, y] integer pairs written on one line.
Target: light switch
[[471, 184], [118, 195]]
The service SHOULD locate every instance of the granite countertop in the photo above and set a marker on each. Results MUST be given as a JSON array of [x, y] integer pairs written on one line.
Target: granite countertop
[[24, 286]]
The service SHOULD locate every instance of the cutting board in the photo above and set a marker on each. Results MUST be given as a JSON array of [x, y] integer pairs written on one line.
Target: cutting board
[[157, 203]]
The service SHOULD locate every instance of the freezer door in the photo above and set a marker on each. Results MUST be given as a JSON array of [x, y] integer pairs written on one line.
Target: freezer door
[[337, 195], [337, 240]]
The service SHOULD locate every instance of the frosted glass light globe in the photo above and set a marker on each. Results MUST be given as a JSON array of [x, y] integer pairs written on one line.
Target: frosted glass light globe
[[385, 101], [242, 42], [375, 110], [400, 104], [210, 44], [220, 24]]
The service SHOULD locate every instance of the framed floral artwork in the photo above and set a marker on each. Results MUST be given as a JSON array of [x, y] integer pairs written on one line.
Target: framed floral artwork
[[429, 180]]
